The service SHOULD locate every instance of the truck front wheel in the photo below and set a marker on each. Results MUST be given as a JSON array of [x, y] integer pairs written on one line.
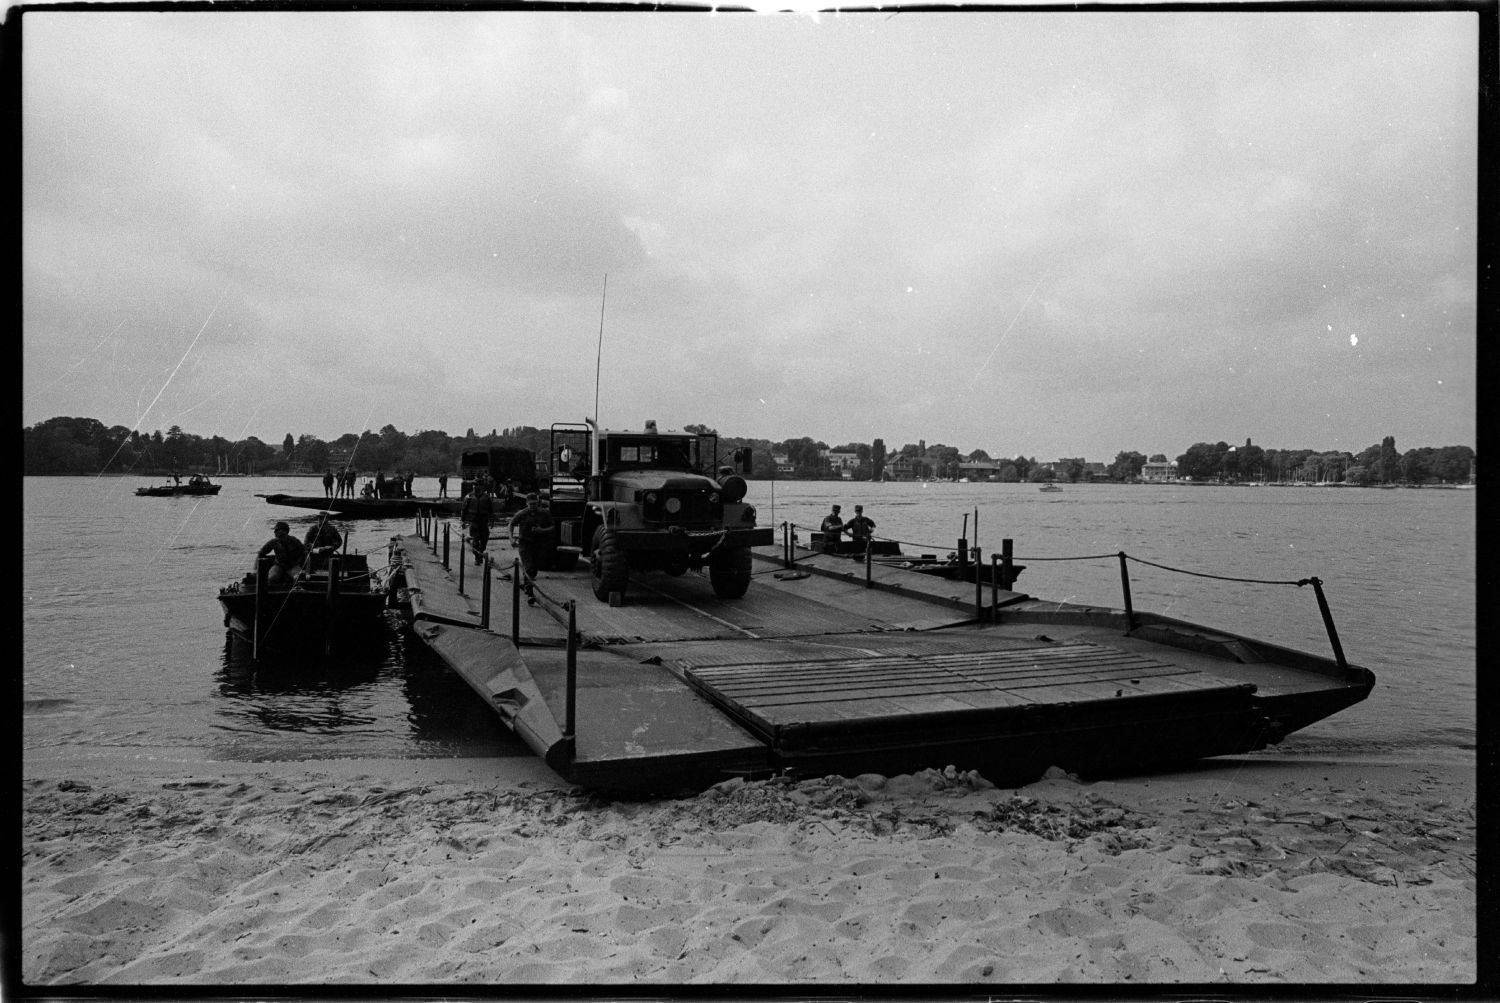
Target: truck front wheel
[[607, 565], [729, 572]]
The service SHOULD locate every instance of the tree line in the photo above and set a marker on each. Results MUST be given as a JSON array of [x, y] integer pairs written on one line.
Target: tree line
[[86, 446]]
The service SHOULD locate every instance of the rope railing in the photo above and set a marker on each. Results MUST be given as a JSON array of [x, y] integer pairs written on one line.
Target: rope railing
[[1223, 578], [790, 528]]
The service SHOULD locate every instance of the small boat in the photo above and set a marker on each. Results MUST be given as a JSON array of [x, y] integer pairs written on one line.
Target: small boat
[[1050, 486], [888, 554], [196, 485], [336, 600], [855, 548]]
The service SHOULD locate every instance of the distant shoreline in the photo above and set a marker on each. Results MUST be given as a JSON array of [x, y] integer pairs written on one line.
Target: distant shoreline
[[831, 480]]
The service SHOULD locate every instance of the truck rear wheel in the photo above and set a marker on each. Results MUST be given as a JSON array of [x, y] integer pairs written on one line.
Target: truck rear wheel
[[729, 572], [607, 565]]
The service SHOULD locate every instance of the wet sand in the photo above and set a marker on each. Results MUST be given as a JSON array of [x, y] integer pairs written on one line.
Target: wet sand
[[1255, 870]]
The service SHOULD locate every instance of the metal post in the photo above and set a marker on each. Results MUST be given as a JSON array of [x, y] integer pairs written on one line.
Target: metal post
[[463, 558], [571, 719], [786, 544], [978, 580], [963, 557], [515, 602], [994, 586], [1125, 584], [869, 561], [484, 606], [1333, 634], [262, 567], [1007, 572], [330, 601], [445, 547]]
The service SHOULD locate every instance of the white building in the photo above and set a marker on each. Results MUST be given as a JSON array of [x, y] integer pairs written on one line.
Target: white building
[[1159, 473]]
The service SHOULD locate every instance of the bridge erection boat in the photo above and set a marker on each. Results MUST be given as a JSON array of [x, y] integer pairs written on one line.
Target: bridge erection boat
[[336, 602], [830, 666], [197, 485]]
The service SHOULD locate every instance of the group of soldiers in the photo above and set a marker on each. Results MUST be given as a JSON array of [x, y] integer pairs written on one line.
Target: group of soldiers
[[532, 527], [861, 529], [290, 554], [341, 484]]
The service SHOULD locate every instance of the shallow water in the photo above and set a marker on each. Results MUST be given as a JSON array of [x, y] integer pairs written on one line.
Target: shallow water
[[125, 653]]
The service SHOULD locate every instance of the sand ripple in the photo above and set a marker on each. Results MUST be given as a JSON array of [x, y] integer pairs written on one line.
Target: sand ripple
[[1255, 876]]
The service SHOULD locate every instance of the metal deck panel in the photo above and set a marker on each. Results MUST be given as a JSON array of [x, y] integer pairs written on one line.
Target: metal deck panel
[[773, 695], [434, 588], [636, 719]]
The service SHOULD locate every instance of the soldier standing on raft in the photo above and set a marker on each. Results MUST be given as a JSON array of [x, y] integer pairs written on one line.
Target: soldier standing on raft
[[861, 528], [477, 510], [833, 526], [532, 527]]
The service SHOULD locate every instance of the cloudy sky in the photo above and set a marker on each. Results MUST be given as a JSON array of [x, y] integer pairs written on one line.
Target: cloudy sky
[[1049, 234]]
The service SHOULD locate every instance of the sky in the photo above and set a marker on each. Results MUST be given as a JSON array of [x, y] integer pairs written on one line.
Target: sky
[[1048, 234]]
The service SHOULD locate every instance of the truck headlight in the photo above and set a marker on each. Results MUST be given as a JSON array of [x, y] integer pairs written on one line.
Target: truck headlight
[[674, 505]]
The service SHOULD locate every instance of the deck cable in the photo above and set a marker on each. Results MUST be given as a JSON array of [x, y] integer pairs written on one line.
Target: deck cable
[[1112, 557]]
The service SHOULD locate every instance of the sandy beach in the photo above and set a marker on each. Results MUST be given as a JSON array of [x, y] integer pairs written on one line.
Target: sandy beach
[[431, 872]]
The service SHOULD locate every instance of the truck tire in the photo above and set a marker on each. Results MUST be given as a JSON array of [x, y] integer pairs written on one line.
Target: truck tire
[[607, 565], [729, 572]]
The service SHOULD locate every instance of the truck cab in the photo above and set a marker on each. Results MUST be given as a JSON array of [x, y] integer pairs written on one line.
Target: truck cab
[[644, 500]]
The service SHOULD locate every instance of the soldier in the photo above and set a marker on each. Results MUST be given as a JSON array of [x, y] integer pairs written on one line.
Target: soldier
[[323, 536], [861, 528], [289, 551], [477, 510], [833, 526], [532, 527]]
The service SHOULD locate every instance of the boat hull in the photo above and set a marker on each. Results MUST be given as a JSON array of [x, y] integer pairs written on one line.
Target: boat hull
[[369, 508], [177, 490], [308, 616]]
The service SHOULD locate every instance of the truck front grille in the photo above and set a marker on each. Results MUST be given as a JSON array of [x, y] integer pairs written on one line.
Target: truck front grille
[[682, 508]]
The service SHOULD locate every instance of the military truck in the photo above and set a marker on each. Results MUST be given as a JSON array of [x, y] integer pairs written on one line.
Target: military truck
[[635, 501], [502, 466]]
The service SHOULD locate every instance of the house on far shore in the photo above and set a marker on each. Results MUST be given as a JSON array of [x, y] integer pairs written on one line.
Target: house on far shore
[[902, 468], [1159, 473], [979, 470], [842, 461]]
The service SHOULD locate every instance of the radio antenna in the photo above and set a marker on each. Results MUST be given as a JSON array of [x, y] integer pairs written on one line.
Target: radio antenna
[[599, 357]]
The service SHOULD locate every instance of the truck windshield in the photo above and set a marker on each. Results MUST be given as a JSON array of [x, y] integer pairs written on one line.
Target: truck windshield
[[672, 454]]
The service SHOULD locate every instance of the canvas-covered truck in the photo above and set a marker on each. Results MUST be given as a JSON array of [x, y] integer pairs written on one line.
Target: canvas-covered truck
[[507, 470], [635, 501]]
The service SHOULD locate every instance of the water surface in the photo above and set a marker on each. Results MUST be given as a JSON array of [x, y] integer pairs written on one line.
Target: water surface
[[125, 652]]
